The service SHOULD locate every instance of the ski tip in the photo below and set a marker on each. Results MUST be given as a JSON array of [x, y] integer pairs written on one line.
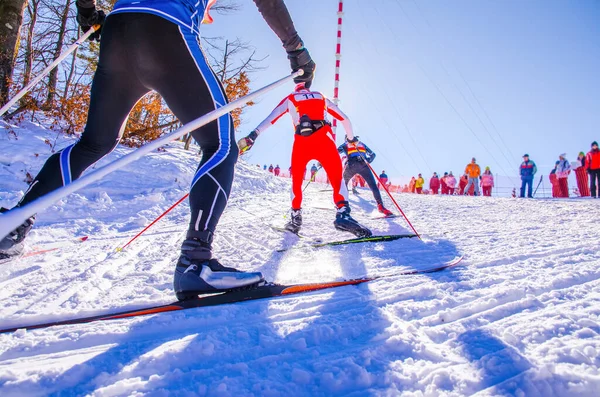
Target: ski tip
[[84, 238]]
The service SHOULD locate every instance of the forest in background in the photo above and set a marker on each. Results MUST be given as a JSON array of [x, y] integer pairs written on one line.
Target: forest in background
[[33, 33]]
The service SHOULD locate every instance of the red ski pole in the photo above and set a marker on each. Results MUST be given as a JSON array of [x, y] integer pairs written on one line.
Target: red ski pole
[[153, 222], [395, 203]]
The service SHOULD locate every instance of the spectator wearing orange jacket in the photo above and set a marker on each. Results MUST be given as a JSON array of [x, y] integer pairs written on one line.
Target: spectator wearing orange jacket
[[473, 171], [434, 184], [487, 182], [412, 184]]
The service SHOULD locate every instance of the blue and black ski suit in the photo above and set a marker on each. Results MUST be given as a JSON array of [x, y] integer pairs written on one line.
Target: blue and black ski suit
[[357, 153]]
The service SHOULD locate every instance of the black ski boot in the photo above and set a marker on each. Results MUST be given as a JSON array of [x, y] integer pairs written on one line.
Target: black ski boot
[[344, 222], [13, 244], [295, 222], [197, 274]]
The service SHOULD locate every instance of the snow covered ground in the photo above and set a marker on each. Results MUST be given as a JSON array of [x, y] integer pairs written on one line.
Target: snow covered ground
[[520, 315]]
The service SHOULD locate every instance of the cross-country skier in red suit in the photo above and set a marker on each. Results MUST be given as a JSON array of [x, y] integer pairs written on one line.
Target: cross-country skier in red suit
[[154, 45], [313, 140]]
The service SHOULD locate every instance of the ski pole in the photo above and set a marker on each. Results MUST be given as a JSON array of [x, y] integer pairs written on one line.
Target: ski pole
[[310, 180], [390, 195], [43, 74], [12, 219], [538, 185], [153, 222]]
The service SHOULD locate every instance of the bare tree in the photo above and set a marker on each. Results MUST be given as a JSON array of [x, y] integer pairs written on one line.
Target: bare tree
[[53, 75], [32, 11]]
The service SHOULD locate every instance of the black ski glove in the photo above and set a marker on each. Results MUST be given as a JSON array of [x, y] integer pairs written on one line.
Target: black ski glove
[[300, 59], [371, 158], [88, 17]]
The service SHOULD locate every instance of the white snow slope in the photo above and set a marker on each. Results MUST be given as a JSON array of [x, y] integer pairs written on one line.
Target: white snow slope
[[519, 316]]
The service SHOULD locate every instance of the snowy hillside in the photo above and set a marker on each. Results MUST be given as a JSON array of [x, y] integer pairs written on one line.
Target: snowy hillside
[[519, 316]]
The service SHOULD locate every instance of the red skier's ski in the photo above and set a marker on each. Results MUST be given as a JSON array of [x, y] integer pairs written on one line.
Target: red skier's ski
[[372, 239], [267, 291]]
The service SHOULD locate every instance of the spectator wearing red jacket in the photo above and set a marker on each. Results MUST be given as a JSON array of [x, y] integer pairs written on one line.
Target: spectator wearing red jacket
[[444, 183], [462, 184], [581, 176], [554, 181], [434, 184], [276, 170], [592, 163]]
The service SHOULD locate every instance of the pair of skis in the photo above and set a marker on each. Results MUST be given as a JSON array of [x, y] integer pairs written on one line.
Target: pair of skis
[[262, 292]]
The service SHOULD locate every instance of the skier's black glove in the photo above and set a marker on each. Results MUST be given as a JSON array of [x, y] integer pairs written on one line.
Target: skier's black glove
[[371, 158], [300, 59], [88, 17], [247, 142]]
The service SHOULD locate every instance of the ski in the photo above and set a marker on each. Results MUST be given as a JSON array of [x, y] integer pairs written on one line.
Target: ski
[[45, 248], [299, 235], [266, 291], [372, 239], [385, 216]]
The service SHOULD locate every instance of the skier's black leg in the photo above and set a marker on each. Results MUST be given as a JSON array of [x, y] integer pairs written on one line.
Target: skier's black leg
[[366, 173], [348, 173], [115, 90], [177, 69], [173, 64]]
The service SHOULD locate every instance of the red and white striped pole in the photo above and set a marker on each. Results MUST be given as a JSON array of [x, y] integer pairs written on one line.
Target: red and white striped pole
[[338, 55]]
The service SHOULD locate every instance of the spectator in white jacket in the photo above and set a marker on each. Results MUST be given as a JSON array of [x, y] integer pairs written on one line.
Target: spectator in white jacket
[[563, 169]]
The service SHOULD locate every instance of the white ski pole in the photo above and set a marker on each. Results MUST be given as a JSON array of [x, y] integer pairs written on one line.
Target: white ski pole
[[43, 74], [12, 219]]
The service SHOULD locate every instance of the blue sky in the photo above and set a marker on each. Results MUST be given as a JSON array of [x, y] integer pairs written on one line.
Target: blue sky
[[430, 84]]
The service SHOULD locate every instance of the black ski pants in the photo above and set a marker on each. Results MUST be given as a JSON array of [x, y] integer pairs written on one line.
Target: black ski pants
[[595, 182], [361, 168], [138, 53]]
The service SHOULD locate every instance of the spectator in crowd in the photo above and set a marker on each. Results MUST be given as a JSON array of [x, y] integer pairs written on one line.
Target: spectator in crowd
[[444, 183], [462, 184], [271, 168], [592, 163], [419, 183], [358, 181], [473, 171], [434, 183], [527, 171], [450, 183], [487, 182], [412, 184], [383, 178], [277, 170], [265, 167], [581, 176], [313, 172], [562, 173], [554, 181]]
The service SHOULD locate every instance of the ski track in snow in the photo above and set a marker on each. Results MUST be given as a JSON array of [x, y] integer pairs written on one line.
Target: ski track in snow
[[519, 316]]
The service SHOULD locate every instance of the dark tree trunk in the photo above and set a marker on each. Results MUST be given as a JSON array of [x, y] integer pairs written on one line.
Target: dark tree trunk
[[32, 9], [11, 18], [53, 76]]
